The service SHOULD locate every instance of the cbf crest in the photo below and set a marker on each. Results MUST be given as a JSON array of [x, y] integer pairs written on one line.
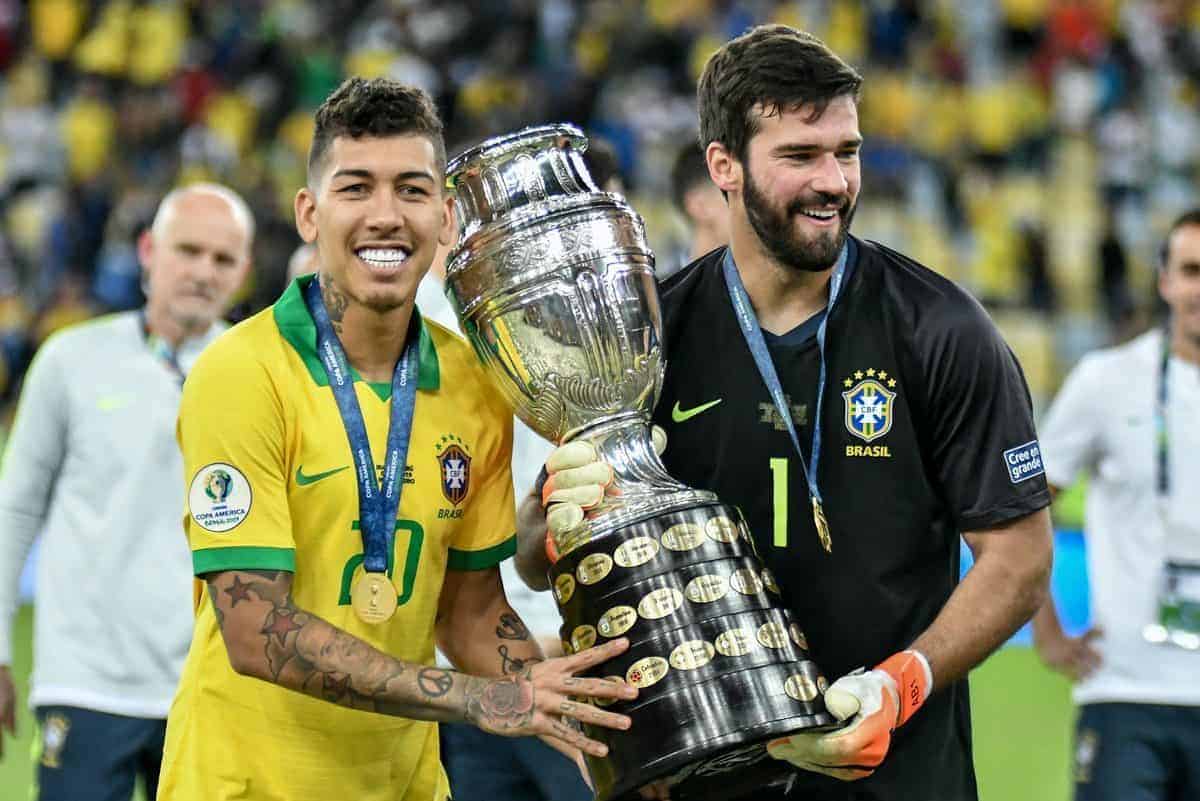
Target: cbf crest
[[869, 404], [456, 468]]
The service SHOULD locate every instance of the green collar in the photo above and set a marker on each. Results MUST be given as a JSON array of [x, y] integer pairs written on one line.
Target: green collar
[[297, 327]]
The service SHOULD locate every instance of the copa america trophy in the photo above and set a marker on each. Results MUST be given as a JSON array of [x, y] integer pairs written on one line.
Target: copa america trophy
[[554, 285]]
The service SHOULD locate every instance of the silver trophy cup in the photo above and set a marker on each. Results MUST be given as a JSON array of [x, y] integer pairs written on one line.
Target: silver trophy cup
[[554, 286]]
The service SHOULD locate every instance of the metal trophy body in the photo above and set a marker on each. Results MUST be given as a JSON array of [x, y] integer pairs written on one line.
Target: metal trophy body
[[554, 284]]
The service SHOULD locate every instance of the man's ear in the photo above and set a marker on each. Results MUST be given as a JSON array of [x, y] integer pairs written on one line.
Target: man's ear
[[723, 167], [306, 215], [448, 233]]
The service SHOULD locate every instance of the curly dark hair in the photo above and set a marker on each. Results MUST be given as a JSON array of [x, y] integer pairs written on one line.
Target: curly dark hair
[[376, 107], [773, 68]]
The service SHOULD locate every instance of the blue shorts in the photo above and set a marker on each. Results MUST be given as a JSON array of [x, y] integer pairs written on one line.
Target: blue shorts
[[84, 755], [1137, 752], [488, 767]]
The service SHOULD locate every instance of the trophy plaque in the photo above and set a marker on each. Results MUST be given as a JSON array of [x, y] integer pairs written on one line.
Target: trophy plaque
[[554, 286]]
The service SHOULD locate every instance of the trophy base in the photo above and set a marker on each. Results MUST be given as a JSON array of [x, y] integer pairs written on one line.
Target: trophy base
[[721, 665]]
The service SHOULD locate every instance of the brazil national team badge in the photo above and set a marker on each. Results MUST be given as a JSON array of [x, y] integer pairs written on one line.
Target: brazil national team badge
[[456, 468], [220, 497], [869, 402], [54, 739]]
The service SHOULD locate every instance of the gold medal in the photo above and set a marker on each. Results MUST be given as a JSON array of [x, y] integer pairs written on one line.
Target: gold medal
[[822, 526], [373, 598]]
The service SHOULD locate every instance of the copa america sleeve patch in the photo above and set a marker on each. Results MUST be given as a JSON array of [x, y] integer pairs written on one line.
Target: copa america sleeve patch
[[1024, 462], [220, 497]]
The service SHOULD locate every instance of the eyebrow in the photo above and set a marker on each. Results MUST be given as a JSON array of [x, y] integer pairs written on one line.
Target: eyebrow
[[409, 175], [793, 148]]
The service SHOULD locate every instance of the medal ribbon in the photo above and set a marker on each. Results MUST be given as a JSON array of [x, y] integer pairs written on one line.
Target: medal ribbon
[[751, 330], [376, 506], [1162, 439]]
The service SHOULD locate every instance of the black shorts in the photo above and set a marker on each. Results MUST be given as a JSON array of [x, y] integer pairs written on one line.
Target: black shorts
[[1137, 752], [84, 755]]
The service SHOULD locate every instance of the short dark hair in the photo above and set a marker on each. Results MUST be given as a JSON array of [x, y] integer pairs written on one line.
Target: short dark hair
[[1190, 217], [690, 168], [376, 107], [772, 67]]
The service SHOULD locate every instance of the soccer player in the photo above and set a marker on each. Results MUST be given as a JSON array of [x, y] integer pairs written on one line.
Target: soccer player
[[863, 412], [93, 466], [364, 502], [1123, 417]]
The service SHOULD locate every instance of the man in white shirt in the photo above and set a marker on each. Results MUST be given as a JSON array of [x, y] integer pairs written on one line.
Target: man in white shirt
[[92, 465], [1126, 417], [482, 766]]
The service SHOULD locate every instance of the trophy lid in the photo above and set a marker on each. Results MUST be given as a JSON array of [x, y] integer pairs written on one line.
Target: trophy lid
[[535, 139]]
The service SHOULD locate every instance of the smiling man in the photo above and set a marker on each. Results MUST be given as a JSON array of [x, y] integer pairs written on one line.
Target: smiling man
[[367, 507], [862, 411]]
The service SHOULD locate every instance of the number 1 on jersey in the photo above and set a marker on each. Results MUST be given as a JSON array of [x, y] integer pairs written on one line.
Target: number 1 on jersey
[[779, 498]]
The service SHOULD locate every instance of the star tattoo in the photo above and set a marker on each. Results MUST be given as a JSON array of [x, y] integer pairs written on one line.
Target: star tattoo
[[281, 624]]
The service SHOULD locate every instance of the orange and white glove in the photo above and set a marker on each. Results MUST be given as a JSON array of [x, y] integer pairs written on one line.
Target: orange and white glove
[[577, 481], [876, 703]]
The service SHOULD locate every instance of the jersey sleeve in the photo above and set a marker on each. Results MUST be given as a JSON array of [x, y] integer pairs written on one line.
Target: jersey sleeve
[[1070, 429], [33, 455], [487, 535], [983, 444], [231, 433]]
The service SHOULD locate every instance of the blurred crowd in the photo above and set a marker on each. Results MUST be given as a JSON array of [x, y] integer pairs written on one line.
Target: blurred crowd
[[1031, 149]]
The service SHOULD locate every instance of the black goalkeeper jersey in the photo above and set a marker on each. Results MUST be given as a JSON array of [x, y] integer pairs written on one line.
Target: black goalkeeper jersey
[[927, 431]]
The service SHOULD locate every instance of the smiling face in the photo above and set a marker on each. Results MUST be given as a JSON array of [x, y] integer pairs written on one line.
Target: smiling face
[[376, 213], [797, 188]]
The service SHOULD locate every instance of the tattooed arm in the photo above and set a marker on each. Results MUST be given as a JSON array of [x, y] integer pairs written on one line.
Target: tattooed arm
[[477, 628], [268, 637]]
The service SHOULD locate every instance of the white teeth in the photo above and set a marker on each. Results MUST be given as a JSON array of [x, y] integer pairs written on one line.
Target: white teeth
[[820, 215], [382, 257]]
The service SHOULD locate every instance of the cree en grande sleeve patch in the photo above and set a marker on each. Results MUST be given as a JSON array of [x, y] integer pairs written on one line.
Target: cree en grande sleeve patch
[[220, 497], [1024, 462]]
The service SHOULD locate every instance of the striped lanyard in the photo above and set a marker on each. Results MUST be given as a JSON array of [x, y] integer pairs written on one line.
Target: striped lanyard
[[752, 331]]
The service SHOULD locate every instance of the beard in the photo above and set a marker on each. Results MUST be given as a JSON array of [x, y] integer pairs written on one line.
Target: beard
[[775, 229]]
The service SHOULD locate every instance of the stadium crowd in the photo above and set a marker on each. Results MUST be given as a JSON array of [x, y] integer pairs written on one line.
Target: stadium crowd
[[984, 121]]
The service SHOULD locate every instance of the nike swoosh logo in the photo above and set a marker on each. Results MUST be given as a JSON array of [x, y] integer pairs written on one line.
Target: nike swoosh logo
[[679, 415], [304, 480], [110, 403]]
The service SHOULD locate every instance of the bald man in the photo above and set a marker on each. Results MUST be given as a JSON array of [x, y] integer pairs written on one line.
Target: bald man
[[92, 465]]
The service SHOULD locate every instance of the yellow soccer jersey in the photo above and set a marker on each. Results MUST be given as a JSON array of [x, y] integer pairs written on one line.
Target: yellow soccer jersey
[[272, 486]]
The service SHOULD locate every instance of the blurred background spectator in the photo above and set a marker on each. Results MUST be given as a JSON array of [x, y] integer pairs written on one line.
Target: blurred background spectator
[[1033, 150]]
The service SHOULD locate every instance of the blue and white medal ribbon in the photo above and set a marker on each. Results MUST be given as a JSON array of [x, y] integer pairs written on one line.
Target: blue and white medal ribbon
[[377, 505], [751, 330]]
